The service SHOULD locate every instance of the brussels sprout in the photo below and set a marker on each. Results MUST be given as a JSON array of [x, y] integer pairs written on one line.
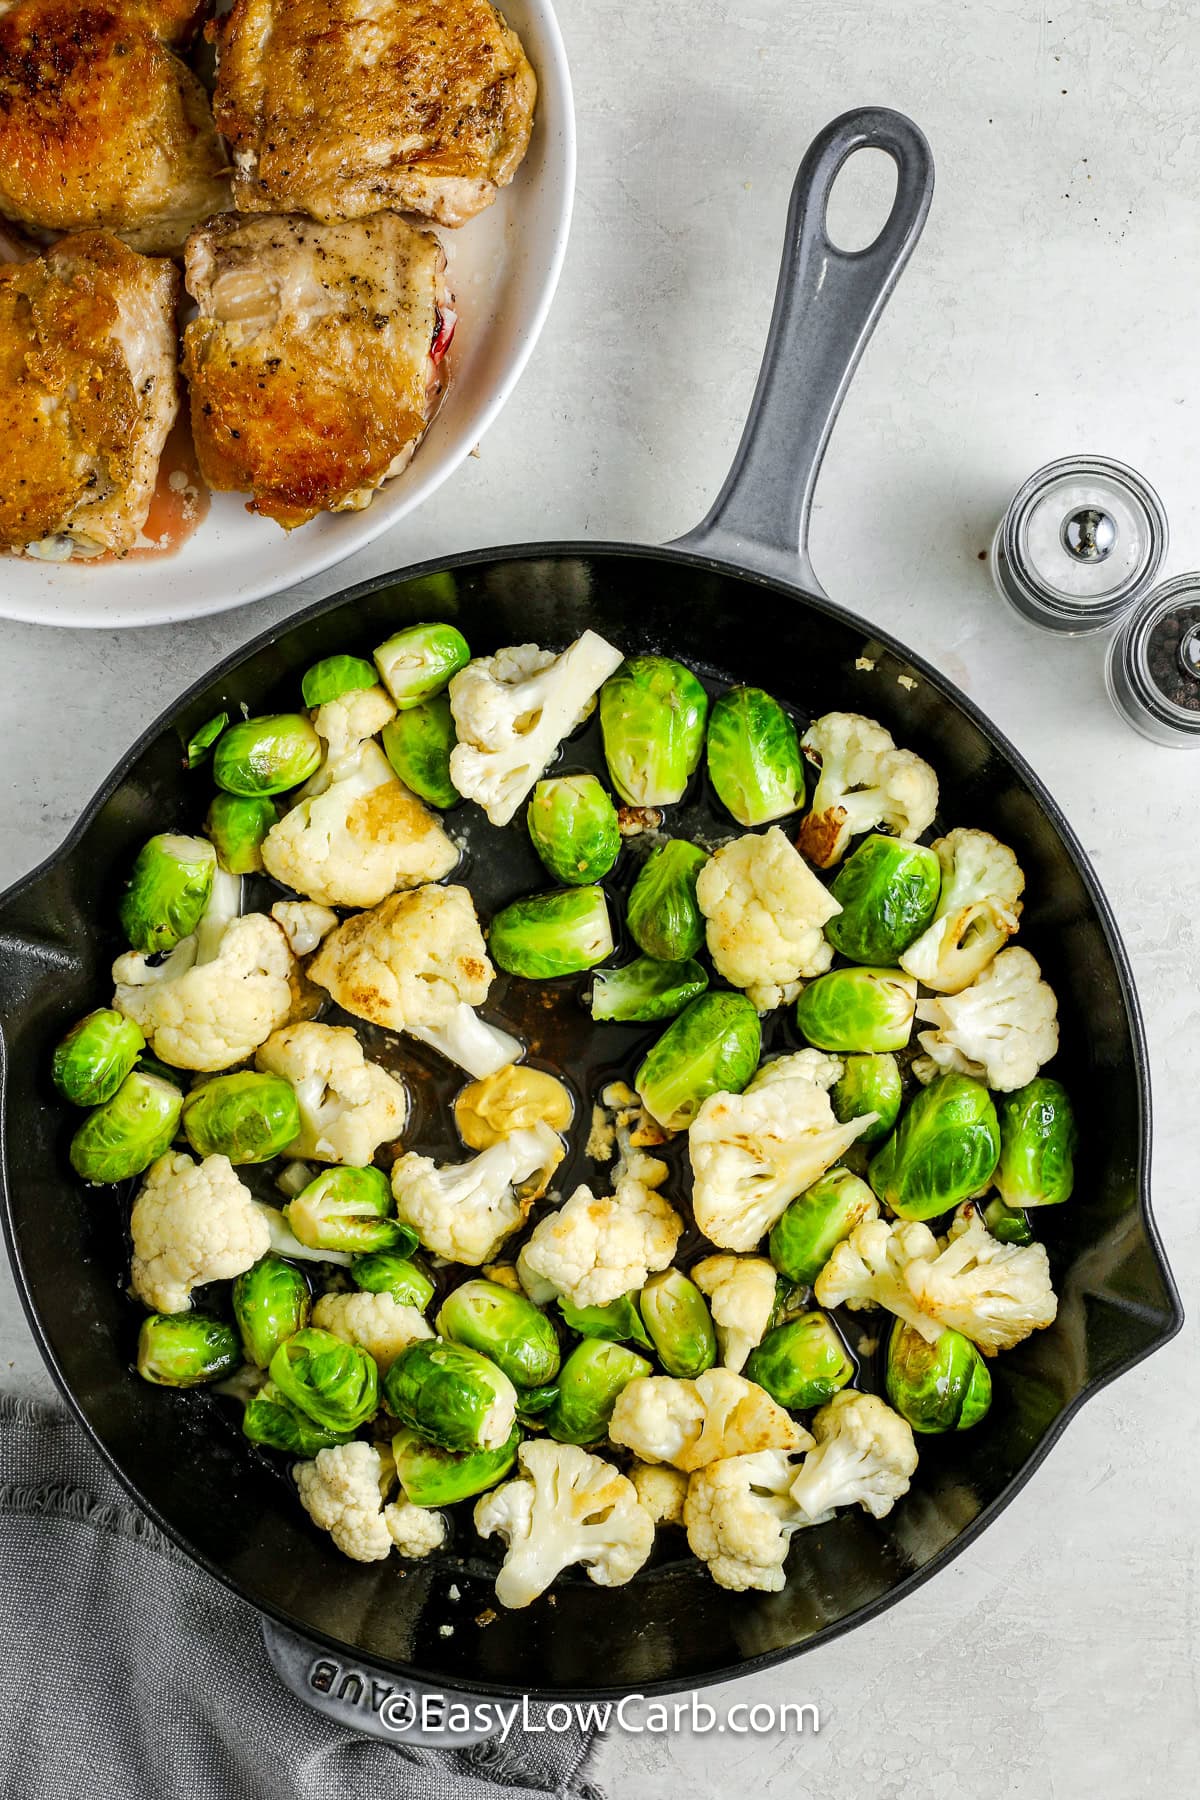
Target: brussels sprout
[[127, 1133], [816, 1221], [95, 1056], [712, 1047], [433, 1476], [944, 1149], [269, 1419], [533, 1402], [247, 1117], [646, 990], [802, 1363], [943, 1386], [888, 893], [573, 827], [1009, 1224], [267, 755], [347, 1209], [858, 1009], [391, 1272], [619, 1321], [202, 741], [237, 825], [676, 1315], [652, 713], [504, 1326], [271, 1302], [451, 1394], [418, 743], [552, 934], [664, 918], [150, 1065], [418, 662], [334, 676], [1037, 1145], [334, 1384], [591, 1378], [869, 1084], [754, 758], [185, 1350], [168, 891]]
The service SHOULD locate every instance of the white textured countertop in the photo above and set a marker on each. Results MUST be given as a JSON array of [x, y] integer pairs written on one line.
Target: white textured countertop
[[1049, 308]]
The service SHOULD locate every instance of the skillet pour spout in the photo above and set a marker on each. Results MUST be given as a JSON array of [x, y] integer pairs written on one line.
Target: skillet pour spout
[[182, 1457]]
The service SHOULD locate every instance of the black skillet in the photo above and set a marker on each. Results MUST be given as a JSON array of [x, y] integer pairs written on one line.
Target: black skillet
[[734, 598]]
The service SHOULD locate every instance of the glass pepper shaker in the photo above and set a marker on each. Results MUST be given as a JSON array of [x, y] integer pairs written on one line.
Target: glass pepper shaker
[[1153, 665], [1080, 543]]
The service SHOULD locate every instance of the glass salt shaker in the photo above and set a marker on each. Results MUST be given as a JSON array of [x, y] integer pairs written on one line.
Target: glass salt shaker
[[1153, 666], [1080, 543]]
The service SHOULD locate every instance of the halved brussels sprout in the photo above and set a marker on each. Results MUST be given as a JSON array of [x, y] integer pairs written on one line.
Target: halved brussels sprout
[[888, 892], [168, 891], [676, 1315], [95, 1056], [392, 1272], [549, 935], [203, 739], [588, 1384], [245, 1116], [417, 663], [185, 1350], [504, 1326], [712, 1047], [433, 1476], [267, 755], [269, 1419], [417, 743], [127, 1133], [858, 1009], [347, 1209], [1008, 1224], [1037, 1145], [573, 827], [652, 713], [869, 1084], [271, 1302], [333, 1383], [664, 917], [451, 1394], [532, 1403], [334, 676], [943, 1386], [619, 1321], [237, 825], [646, 990], [816, 1221], [944, 1149], [754, 758], [802, 1363]]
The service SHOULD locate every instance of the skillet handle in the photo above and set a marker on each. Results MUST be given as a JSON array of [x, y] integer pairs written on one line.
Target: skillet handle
[[826, 306]]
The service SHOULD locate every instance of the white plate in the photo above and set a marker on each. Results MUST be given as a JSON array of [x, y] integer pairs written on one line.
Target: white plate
[[503, 269]]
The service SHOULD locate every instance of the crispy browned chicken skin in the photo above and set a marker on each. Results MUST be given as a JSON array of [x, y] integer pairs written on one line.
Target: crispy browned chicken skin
[[340, 108], [312, 362], [101, 125], [88, 392]]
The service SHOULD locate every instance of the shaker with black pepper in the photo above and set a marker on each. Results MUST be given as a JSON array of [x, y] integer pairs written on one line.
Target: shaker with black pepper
[[1153, 667]]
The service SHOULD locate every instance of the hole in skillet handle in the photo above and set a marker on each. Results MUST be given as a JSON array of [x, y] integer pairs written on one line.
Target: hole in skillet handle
[[860, 202]]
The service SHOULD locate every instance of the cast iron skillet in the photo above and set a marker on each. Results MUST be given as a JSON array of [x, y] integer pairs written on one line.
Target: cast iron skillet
[[733, 598]]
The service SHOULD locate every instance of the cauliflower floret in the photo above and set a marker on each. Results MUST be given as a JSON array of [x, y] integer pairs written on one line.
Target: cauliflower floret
[[1000, 1030], [661, 1489], [303, 923], [864, 1455], [342, 1490], [865, 784], [464, 1211], [592, 1251], [415, 1530], [868, 1269], [355, 833], [690, 1423], [995, 1294], [511, 712], [192, 1223], [219, 993], [741, 1297], [348, 1106], [565, 1507], [977, 912], [752, 1153], [417, 963], [765, 910], [284, 1241], [379, 1323], [740, 1515]]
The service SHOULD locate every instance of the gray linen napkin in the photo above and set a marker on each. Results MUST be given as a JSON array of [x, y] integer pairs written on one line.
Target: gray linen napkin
[[128, 1673]]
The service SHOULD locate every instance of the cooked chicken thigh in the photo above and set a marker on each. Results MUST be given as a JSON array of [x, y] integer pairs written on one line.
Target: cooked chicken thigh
[[343, 107], [101, 125], [314, 364], [88, 391]]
